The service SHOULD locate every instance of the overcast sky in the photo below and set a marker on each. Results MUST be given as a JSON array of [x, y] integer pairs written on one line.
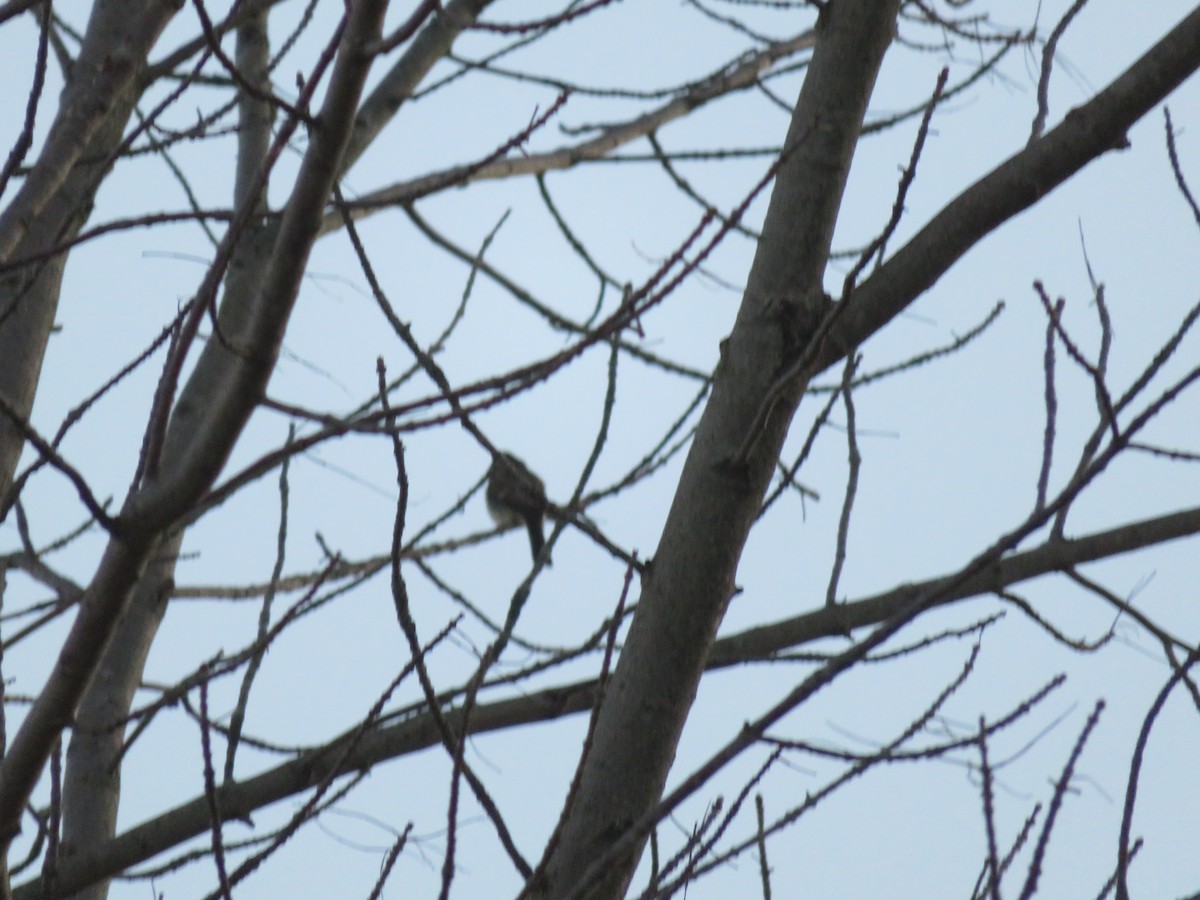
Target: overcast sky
[[951, 453]]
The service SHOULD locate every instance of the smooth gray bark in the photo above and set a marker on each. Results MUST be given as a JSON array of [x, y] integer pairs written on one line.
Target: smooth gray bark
[[691, 579], [55, 200], [92, 775], [211, 413]]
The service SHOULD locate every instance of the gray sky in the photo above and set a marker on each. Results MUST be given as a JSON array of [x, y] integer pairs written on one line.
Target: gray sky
[[951, 453]]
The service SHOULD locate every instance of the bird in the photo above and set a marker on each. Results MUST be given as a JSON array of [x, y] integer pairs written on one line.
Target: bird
[[516, 496]]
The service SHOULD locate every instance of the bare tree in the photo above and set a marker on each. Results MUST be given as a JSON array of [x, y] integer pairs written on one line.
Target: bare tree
[[460, 358]]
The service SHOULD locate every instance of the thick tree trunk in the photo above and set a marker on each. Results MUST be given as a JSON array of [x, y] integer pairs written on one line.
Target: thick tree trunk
[[56, 198], [213, 408], [92, 776], [691, 580]]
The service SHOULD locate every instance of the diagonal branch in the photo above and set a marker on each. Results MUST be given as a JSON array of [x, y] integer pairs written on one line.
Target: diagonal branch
[[737, 78], [1086, 133], [416, 733], [150, 512]]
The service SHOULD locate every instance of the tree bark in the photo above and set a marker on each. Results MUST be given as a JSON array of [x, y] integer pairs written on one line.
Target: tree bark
[[92, 775], [56, 199], [213, 408], [691, 578]]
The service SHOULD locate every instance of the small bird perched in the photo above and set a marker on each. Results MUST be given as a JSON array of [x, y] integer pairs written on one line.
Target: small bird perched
[[516, 496]]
